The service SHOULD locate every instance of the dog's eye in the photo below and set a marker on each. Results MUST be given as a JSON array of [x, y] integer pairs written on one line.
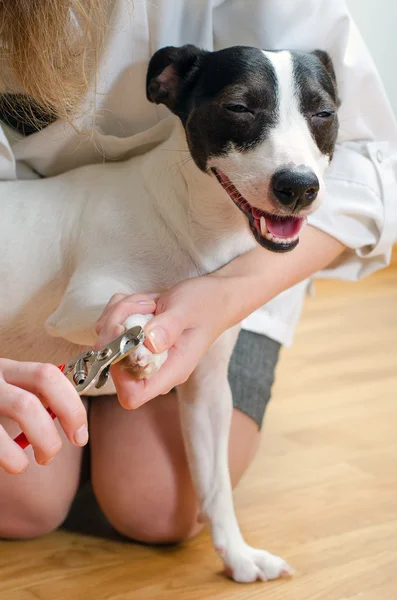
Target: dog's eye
[[324, 114], [237, 108]]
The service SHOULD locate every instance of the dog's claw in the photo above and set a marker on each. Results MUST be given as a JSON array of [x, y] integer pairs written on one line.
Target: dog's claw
[[288, 572]]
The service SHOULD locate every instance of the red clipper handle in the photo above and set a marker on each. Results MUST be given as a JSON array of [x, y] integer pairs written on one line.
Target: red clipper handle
[[21, 439]]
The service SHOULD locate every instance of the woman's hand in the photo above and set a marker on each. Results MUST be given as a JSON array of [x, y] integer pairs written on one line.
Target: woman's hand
[[189, 318], [24, 387], [194, 313]]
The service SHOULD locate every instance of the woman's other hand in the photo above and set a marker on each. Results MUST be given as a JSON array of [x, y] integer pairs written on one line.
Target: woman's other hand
[[24, 389]]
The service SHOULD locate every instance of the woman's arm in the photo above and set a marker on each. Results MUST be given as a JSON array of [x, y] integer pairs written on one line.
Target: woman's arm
[[251, 280], [194, 313]]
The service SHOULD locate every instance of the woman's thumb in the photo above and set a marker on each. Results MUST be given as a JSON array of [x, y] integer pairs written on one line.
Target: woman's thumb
[[163, 331]]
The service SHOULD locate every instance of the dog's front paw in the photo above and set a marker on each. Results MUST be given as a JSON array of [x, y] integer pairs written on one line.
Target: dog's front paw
[[249, 564], [142, 363]]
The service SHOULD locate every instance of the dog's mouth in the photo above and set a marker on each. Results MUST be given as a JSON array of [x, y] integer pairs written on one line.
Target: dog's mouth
[[276, 233]]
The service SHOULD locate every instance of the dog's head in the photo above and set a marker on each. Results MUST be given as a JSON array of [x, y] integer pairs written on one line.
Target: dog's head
[[264, 123]]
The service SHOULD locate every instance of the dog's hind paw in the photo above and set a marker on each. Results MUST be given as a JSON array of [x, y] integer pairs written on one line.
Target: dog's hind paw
[[250, 565], [142, 363]]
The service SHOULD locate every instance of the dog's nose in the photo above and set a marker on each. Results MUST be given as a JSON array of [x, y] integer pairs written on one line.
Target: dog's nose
[[293, 187]]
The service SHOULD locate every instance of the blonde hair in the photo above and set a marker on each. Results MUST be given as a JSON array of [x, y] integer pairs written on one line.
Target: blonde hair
[[49, 50]]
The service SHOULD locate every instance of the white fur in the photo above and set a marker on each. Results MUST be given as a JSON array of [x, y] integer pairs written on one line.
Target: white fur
[[68, 243]]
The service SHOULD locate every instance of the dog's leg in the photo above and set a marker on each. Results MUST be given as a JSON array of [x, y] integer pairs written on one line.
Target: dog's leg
[[206, 410], [88, 292], [84, 300]]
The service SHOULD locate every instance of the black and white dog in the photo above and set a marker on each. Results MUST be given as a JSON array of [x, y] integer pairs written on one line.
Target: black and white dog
[[261, 128]]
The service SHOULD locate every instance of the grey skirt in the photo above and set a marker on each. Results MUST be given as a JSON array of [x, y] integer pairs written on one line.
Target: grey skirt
[[251, 373]]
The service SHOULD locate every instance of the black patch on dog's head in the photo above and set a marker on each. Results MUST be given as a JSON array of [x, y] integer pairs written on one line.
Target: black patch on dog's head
[[316, 87], [223, 98]]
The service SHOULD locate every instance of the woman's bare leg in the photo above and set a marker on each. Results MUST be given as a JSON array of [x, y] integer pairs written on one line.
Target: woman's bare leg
[[37, 502], [139, 469]]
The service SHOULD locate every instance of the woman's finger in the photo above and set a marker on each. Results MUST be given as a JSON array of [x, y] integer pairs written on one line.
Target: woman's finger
[[113, 300], [177, 368], [139, 299], [26, 409], [12, 458], [49, 384], [128, 389], [164, 330], [117, 314]]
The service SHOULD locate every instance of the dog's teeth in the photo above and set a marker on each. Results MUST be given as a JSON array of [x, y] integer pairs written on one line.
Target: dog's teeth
[[269, 236], [263, 226]]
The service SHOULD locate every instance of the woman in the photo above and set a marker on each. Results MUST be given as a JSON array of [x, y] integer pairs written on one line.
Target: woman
[[138, 467]]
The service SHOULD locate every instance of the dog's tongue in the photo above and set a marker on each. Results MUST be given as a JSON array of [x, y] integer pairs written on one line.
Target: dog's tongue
[[284, 227]]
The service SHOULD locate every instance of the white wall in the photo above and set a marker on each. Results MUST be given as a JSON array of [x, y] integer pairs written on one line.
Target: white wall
[[377, 21]]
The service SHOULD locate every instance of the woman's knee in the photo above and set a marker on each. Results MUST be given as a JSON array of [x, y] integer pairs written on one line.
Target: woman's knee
[[37, 502], [32, 519], [152, 516]]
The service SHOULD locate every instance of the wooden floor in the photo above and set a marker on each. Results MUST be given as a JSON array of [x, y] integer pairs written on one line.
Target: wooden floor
[[322, 491]]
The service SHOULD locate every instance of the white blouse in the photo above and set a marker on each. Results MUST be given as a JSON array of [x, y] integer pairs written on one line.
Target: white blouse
[[360, 208]]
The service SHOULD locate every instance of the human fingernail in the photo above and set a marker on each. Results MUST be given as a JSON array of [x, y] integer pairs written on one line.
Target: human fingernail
[[45, 463], [158, 339], [81, 436], [147, 302]]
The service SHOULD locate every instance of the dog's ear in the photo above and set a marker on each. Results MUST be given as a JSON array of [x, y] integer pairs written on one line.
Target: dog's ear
[[171, 73], [326, 61]]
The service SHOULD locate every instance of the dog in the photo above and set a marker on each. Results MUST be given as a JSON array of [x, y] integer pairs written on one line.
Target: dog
[[251, 135]]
